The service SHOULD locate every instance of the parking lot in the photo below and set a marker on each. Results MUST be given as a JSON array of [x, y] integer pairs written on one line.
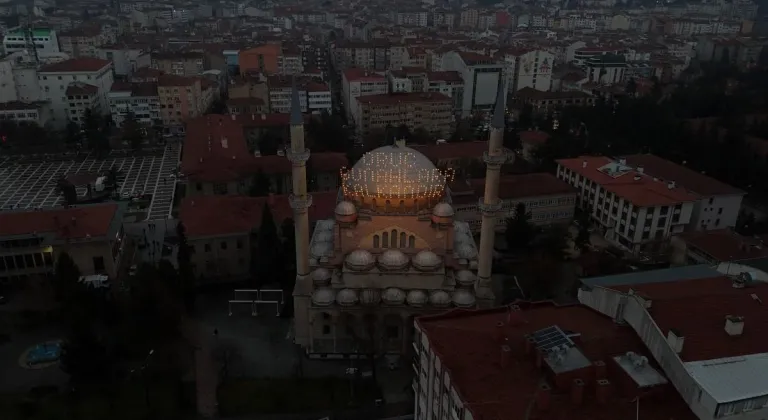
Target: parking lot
[[29, 182]]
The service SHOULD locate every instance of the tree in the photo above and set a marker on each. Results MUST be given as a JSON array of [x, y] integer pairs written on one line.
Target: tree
[[67, 190], [66, 278], [553, 242], [95, 134], [260, 185], [186, 273], [155, 307], [631, 88], [582, 237], [268, 144], [132, 134], [268, 254], [85, 357], [72, 133], [520, 232], [111, 178]]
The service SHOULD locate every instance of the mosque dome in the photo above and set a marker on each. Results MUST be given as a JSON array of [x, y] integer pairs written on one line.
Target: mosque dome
[[465, 277], [360, 260], [393, 259], [439, 298], [321, 276], [416, 298], [463, 298], [443, 210], [394, 171], [323, 296], [345, 208], [426, 261], [393, 296], [346, 297]]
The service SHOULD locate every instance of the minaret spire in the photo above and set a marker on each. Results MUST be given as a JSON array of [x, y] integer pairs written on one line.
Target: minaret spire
[[490, 203], [300, 202]]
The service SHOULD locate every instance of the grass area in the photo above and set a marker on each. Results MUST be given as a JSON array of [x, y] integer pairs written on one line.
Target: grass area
[[125, 403], [292, 395]]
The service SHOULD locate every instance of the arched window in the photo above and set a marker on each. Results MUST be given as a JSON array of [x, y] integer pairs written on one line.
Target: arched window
[[402, 240], [375, 241], [387, 206], [411, 241], [394, 238], [402, 205], [385, 240]]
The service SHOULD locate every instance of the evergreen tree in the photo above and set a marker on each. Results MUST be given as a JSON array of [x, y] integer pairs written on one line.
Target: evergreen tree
[[132, 134], [520, 232], [186, 274], [95, 134], [66, 278], [268, 252], [72, 134]]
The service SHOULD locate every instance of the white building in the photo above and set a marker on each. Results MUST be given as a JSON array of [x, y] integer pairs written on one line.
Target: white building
[[398, 82], [632, 208], [55, 78], [125, 60], [318, 97], [24, 112], [358, 82], [481, 75], [45, 40], [290, 63], [528, 68], [139, 99]]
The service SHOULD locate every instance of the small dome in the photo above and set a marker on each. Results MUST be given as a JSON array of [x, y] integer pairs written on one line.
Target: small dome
[[427, 261], [346, 297], [416, 298], [321, 249], [465, 277], [393, 259], [439, 298], [345, 208], [370, 297], [466, 251], [360, 260], [463, 298], [443, 210], [321, 276], [323, 296], [393, 296]]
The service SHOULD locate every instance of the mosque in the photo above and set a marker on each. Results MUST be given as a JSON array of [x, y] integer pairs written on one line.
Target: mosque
[[393, 250]]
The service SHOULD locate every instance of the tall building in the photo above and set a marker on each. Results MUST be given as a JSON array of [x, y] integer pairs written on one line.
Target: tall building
[[45, 41], [430, 111], [482, 76], [392, 252], [91, 76]]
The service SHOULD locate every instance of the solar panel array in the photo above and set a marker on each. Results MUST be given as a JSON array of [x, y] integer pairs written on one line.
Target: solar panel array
[[548, 338]]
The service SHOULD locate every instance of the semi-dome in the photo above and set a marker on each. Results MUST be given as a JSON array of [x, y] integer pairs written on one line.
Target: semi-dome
[[345, 208], [323, 296], [321, 276], [393, 296], [439, 298], [443, 210], [465, 277], [393, 259], [393, 171], [466, 251], [360, 260], [416, 298], [346, 297], [370, 297], [321, 249], [463, 298], [426, 260]]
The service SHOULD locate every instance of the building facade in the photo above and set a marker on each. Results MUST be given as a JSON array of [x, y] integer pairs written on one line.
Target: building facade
[[54, 79], [432, 112], [139, 99]]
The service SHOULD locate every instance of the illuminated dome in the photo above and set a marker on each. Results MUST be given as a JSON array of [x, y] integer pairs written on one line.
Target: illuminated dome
[[463, 298], [443, 210], [393, 296], [323, 297], [345, 208], [360, 260], [426, 261], [393, 259], [440, 298], [321, 276], [465, 277], [416, 298], [346, 297], [394, 171]]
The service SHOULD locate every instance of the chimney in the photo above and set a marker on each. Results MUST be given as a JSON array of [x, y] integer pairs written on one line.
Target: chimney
[[676, 340], [641, 169], [577, 391], [506, 354], [600, 369], [603, 390], [584, 163], [543, 396], [499, 333], [530, 345], [734, 325], [671, 185]]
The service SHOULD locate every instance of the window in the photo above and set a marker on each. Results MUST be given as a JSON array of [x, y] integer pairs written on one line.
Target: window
[[749, 405], [402, 240], [375, 241], [411, 241], [207, 247], [385, 240], [394, 238], [223, 246], [98, 264]]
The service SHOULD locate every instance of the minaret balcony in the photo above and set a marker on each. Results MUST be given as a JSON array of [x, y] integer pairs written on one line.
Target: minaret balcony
[[495, 160], [298, 158], [489, 209], [300, 203]]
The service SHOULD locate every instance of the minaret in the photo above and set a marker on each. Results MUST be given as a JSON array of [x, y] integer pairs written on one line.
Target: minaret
[[300, 201], [490, 203]]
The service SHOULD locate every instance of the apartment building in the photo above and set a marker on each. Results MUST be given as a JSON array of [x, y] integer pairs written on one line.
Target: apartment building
[[633, 209], [289, 62], [481, 75], [280, 89], [125, 59], [45, 40], [247, 87], [262, 59], [139, 99], [183, 98], [25, 112], [606, 69], [544, 101], [449, 83], [358, 82], [187, 64], [84, 41], [530, 68], [718, 205], [83, 98], [319, 98], [430, 111], [363, 55], [549, 200], [54, 79], [31, 241]]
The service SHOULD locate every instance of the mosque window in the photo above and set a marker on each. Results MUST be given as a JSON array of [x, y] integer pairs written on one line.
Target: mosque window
[[394, 238], [375, 241], [411, 241], [385, 240], [402, 240]]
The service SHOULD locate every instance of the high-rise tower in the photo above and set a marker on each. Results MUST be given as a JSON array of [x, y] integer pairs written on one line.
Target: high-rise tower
[[490, 205], [300, 201]]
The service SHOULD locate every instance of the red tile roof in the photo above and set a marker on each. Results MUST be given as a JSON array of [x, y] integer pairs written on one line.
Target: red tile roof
[[686, 177], [444, 76], [697, 309], [533, 137], [166, 80], [213, 215], [76, 65], [361, 75], [81, 89], [639, 189], [527, 185], [409, 97], [65, 223], [724, 244], [468, 345]]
